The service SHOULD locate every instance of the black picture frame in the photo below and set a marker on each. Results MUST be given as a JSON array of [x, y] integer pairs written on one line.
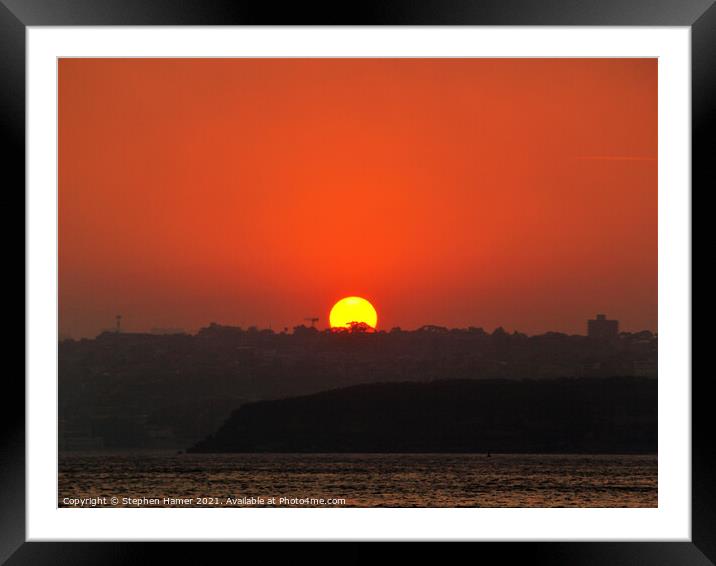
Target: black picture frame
[[17, 15]]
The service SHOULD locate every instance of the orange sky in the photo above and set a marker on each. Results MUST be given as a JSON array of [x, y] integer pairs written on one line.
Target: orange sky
[[483, 192]]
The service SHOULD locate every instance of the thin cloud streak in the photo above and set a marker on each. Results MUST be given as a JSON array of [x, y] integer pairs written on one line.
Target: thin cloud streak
[[615, 158]]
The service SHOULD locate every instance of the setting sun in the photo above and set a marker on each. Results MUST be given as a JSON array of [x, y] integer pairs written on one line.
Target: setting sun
[[353, 309]]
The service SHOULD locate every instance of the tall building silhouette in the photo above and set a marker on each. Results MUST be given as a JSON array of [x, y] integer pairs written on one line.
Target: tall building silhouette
[[603, 329]]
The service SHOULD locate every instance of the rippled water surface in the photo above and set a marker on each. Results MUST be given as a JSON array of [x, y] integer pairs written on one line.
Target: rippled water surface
[[361, 480]]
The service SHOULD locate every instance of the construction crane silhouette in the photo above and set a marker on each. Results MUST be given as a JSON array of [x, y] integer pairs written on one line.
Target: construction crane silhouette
[[313, 320]]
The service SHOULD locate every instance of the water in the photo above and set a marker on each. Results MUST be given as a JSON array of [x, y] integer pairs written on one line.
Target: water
[[359, 480]]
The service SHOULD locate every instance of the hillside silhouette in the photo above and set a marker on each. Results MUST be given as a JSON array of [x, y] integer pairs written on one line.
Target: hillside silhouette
[[133, 390], [604, 415]]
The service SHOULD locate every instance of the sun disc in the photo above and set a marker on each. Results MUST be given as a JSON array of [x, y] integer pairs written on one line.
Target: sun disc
[[351, 310]]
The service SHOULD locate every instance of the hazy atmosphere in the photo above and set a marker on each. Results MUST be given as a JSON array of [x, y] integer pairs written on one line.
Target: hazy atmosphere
[[514, 193]]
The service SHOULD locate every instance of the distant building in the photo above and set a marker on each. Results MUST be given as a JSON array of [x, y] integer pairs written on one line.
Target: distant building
[[603, 329], [166, 331]]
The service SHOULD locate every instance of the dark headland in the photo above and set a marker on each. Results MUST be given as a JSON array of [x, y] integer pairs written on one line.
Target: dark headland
[[126, 391], [589, 415]]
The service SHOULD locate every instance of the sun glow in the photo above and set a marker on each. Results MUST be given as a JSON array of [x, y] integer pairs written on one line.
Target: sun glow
[[353, 310]]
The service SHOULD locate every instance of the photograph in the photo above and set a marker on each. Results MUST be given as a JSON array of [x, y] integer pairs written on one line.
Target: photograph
[[339, 282]]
